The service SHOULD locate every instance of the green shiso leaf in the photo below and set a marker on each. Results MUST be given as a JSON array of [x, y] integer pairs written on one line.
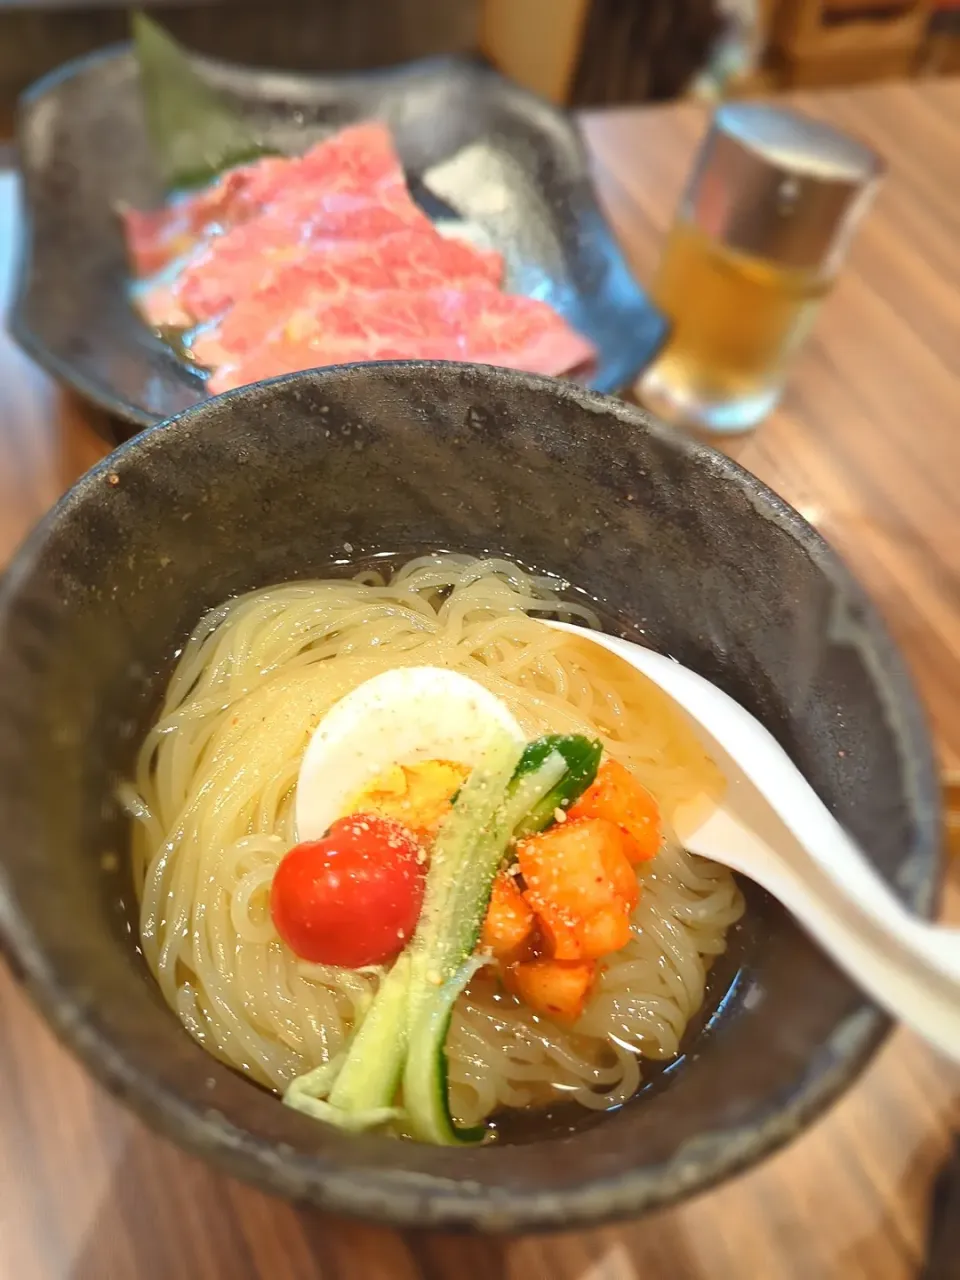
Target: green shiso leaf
[[194, 131]]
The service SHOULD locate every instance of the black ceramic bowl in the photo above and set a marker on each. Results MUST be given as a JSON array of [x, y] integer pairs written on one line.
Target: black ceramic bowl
[[308, 474]]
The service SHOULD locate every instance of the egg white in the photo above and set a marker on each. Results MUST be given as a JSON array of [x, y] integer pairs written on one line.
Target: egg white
[[405, 717]]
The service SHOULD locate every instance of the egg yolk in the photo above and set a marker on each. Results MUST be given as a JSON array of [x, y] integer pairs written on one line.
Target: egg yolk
[[418, 795]]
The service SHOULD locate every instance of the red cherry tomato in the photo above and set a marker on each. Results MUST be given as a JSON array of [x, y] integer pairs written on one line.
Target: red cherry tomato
[[352, 898]]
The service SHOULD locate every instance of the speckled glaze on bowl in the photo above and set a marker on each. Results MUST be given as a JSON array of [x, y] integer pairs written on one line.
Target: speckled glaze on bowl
[[282, 480], [491, 152]]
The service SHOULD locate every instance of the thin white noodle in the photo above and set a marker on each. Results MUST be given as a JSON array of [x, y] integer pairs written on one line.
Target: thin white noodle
[[212, 804]]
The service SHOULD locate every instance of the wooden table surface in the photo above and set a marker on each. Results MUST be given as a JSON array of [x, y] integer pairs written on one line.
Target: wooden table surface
[[867, 446]]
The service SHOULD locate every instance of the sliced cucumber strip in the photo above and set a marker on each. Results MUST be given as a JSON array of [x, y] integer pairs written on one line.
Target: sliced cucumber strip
[[452, 962], [582, 758]]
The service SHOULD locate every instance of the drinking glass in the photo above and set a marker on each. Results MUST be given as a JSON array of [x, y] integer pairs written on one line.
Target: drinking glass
[[757, 241]]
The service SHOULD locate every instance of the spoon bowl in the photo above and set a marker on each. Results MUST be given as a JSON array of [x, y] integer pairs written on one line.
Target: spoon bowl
[[772, 827]]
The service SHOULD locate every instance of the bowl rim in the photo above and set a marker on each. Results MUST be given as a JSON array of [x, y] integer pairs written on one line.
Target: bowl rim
[[402, 1198]]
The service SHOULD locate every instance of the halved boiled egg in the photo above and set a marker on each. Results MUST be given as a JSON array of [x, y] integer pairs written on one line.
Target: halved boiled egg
[[403, 740]]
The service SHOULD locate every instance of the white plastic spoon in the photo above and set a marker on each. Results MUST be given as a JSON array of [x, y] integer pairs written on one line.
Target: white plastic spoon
[[772, 827]]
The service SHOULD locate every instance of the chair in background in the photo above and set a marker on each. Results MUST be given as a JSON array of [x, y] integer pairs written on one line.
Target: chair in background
[[830, 42]]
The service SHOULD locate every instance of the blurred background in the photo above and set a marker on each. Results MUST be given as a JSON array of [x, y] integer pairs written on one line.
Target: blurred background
[[865, 445], [575, 52]]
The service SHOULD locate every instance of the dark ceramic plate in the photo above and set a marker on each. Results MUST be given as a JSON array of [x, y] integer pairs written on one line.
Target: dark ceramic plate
[[495, 155], [674, 541]]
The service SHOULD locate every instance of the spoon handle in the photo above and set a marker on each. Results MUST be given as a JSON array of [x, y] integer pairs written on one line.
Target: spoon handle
[[806, 859], [910, 968]]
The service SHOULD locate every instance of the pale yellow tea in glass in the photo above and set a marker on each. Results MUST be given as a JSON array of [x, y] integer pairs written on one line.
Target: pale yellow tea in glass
[[756, 245], [736, 320]]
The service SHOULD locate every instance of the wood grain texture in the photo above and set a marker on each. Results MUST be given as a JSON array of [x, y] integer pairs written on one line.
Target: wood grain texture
[[633, 52], [866, 444]]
